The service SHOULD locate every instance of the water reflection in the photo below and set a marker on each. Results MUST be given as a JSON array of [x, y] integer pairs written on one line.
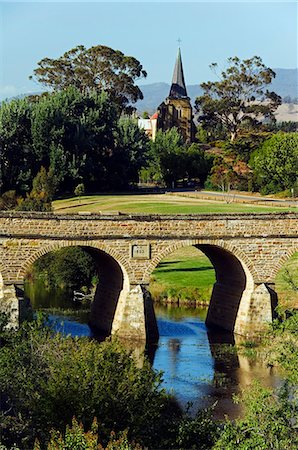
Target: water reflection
[[200, 366]]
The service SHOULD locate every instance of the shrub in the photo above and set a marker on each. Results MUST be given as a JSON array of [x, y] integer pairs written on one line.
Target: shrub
[[56, 378]]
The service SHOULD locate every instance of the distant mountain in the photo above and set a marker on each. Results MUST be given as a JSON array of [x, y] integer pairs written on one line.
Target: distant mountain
[[284, 84]]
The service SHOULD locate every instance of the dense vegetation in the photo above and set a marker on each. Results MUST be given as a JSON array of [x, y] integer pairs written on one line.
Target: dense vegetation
[[77, 138], [57, 378], [67, 268]]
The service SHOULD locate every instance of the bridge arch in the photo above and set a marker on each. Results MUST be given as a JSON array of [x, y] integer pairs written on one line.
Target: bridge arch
[[114, 280], [234, 280], [282, 260]]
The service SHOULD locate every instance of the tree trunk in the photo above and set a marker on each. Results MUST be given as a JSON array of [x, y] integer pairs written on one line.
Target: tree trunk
[[233, 135]]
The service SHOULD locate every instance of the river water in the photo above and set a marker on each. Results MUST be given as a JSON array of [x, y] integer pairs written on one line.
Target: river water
[[200, 367]]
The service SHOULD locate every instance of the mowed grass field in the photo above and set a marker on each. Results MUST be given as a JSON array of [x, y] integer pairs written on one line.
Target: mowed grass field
[[154, 204], [186, 274]]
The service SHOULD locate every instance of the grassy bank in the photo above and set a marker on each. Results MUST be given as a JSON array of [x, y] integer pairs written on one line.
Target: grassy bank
[[287, 283], [154, 204], [184, 277]]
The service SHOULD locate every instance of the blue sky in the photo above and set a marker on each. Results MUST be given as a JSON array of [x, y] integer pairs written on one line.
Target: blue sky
[[210, 32]]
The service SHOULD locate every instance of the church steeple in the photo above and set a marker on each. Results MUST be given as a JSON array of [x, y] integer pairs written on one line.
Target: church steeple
[[178, 88]]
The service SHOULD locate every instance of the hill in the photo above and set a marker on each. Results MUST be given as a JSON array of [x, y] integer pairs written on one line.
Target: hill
[[285, 84]]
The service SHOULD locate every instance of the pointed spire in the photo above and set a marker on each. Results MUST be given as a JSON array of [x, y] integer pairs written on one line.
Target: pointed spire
[[178, 88]]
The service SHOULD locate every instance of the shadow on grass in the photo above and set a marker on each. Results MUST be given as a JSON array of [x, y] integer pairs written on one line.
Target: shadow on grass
[[167, 263], [191, 269]]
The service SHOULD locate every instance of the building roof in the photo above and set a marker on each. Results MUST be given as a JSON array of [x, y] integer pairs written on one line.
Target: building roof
[[178, 88]]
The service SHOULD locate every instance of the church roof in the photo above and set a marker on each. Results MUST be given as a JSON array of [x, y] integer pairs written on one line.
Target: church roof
[[178, 88]]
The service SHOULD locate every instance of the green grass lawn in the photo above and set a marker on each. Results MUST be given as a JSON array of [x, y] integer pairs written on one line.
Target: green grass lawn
[[187, 275], [286, 294], [154, 204]]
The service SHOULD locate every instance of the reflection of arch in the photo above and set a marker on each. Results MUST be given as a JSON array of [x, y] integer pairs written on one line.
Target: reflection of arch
[[234, 279], [113, 283]]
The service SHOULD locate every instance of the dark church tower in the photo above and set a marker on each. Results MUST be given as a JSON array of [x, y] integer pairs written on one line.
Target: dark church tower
[[176, 110]]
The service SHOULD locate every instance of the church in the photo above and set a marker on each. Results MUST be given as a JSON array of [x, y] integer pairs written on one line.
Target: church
[[175, 110]]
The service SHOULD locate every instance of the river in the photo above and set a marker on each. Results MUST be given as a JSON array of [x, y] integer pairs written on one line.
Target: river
[[200, 367]]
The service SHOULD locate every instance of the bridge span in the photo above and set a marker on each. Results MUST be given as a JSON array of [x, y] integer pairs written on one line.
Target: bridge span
[[246, 250]]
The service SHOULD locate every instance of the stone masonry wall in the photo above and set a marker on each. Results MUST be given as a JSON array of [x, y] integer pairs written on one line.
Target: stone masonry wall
[[262, 241], [247, 251]]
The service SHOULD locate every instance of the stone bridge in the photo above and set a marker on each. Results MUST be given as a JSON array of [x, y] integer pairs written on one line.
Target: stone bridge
[[246, 250]]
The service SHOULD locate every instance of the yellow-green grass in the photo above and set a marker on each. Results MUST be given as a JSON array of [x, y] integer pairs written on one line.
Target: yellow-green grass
[[286, 280], [154, 204], [186, 275]]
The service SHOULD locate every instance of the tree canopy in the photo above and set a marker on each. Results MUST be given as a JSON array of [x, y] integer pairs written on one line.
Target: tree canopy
[[78, 138], [96, 68], [239, 98], [275, 164]]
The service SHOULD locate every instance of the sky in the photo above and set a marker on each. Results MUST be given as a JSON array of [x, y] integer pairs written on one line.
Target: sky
[[149, 31]]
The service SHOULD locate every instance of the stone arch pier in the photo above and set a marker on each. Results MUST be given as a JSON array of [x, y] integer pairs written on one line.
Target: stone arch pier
[[246, 251]]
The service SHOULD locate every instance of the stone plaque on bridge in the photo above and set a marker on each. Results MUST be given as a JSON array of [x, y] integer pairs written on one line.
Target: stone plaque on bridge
[[140, 251]]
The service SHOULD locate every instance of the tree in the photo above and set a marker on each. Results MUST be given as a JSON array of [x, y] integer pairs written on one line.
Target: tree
[[275, 164], [18, 163], [74, 135], [42, 193], [130, 153], [240, 97], [167, 155], [96, 68], [79, 190]]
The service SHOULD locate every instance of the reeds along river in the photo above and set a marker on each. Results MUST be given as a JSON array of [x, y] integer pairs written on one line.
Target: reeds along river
[[200, 367]]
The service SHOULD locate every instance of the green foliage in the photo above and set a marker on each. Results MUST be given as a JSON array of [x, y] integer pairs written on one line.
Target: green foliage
[[17, 157], [239, 99], [267, 423], [286, 127], [78, 130], [173, 161], [56, 378], [130, 153], [41, 196], [198, 433], [96, 68], [167, 151], [280, 345], [77, 439], [69, 267], [275, 164], [246, 144], [79, 190], [9, 200], [78, 138]]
